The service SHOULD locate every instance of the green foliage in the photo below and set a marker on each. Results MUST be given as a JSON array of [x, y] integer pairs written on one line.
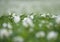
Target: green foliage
[[40, 22]]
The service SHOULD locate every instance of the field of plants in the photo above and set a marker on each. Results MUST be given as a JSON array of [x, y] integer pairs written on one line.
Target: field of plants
[[29, 21], [30, 28]]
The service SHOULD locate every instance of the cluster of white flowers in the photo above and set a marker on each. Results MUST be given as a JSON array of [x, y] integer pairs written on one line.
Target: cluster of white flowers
[[27, 22], [5, 33], [52, 35], [16, 18], [7, 25], [18, 39], [40, 34]]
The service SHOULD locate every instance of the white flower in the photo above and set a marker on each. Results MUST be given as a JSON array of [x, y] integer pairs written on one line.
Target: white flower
[[58, 19], [53, 16], [16, 19], [40, 34], [52, 35], [13, 15], [43, 15], [32, 16], [27, 22], [4, 25], [5, 32], [9, 26], [18, 39]]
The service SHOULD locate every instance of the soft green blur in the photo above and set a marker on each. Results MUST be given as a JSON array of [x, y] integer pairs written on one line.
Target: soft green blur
[[24, 9]]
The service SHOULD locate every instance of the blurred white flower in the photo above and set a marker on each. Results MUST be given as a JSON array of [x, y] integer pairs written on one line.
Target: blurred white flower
[[43, 15], [5, 33], [27, 22], [52, 35], [16, 19], [32, 16], [53, 16], [4, 25], [18, 39], [40, 34], [9, 26], [58, 19], [13, 15]]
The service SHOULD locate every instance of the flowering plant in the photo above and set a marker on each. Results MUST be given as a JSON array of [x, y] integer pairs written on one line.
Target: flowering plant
[[30, 28]]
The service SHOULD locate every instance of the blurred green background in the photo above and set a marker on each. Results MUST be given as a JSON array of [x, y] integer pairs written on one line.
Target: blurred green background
[[29, 21]]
